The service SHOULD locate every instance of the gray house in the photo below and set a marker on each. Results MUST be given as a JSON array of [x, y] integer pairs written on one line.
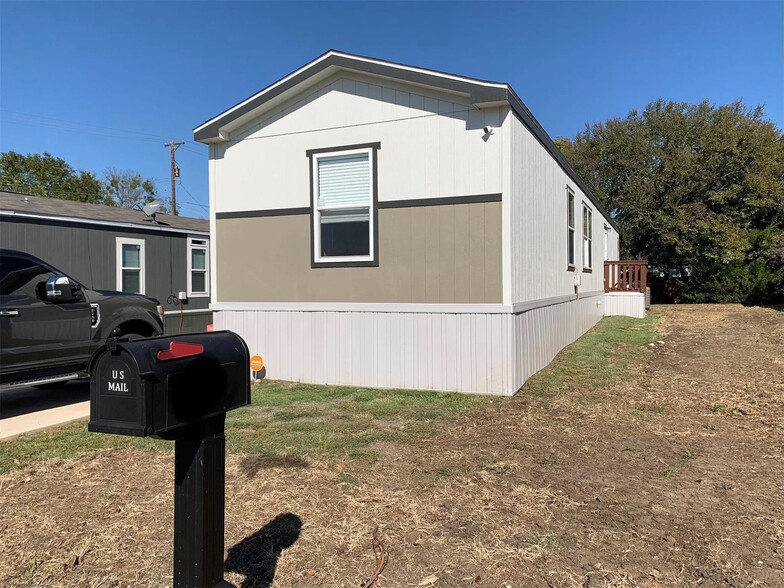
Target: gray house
[[113, 248]]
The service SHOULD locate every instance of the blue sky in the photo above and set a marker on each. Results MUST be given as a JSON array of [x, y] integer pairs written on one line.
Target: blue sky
[[106, 84]]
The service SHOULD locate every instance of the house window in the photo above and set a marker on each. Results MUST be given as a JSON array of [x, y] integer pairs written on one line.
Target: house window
[[570, 228], [606, 242], [198, 268], [130, 265], [344, 206], [587, 238]]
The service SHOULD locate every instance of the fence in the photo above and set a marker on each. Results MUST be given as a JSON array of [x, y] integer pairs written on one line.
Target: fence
[[626, 276]]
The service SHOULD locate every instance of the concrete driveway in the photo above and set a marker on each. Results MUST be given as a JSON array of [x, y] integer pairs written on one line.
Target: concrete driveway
[[29, 409]]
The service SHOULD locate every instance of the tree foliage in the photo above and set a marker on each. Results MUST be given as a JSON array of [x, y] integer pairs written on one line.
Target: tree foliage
[[697, 188], [53, 177], [129, 189], [46, 175]]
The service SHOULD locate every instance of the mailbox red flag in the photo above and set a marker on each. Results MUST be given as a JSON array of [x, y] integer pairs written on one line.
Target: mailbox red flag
[[178, 349]]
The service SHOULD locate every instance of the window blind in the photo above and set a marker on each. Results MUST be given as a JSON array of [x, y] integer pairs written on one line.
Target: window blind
[[344, 181]]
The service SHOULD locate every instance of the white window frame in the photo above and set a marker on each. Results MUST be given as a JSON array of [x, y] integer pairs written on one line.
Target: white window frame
[[606, 243], [587, 237], [119, 242], [205, 245], [571, 230], [316, 212]]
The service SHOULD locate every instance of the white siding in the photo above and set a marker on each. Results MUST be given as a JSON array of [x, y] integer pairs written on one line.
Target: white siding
[[432, 145], [624, 304], [427, 351], [539, 334], [538, 232], [461, 352]]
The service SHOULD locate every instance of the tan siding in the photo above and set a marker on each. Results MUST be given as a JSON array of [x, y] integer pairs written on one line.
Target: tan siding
[[267, 259]]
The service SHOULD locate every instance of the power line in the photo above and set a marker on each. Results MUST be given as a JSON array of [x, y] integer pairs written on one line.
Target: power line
[[55, 123], [362, 124], [207, 208]]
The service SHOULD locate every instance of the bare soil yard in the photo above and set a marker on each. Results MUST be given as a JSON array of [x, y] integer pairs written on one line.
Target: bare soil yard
[[623, 463]]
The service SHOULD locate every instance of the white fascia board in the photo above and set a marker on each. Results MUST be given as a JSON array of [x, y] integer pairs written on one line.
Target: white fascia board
[[103, 223], [399, 307], [363, 307]]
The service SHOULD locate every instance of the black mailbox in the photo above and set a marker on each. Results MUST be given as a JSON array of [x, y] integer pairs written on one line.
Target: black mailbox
[[179, 388], [161, 385]]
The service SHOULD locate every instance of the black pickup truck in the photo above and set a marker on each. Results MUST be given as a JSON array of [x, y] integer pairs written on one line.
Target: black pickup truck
[[50, 324]]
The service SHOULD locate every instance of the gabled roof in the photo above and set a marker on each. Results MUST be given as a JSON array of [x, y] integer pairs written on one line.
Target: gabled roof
[[15, 204], [481, 93]]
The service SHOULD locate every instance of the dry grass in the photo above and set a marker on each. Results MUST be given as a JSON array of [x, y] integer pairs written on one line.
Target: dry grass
[[599, 473]]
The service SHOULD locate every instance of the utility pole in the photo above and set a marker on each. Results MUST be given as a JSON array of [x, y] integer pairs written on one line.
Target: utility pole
[[175, 172]]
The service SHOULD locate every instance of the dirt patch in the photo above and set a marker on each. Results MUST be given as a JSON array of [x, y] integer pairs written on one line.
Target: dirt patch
[[671, 477]]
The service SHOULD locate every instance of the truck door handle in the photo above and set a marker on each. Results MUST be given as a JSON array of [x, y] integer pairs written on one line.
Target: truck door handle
[[9, 313]]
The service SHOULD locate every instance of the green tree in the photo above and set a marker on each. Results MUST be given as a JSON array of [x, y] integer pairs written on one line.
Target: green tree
[[46, 175], [129, 189], [695, 187]]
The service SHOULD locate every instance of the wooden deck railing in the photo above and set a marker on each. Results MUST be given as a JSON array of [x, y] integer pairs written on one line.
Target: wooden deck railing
[[626, 276]]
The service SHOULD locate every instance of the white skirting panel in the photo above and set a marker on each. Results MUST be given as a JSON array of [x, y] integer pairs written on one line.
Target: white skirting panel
[[625, 304], [539, 334], [461, 352], [425, 351]]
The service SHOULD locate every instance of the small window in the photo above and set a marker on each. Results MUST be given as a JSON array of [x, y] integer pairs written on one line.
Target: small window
[[569, 228], [343, 207], [606, 242], [130, 265], [198, 268], [587, 238]]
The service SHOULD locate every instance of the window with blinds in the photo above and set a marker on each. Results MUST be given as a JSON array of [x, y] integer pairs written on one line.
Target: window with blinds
[[587, 238], [570, 224], [343, 206]]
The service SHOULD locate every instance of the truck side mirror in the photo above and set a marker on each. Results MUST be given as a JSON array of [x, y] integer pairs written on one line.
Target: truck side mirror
[[61, 289]]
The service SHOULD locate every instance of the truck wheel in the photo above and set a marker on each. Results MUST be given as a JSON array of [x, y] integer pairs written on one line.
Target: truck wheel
[[134, 330]]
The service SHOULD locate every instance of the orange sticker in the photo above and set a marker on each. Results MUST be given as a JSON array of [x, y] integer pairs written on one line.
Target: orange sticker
[[256, 363]]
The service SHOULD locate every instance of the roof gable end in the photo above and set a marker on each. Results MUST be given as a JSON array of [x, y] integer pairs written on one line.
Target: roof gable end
[[217, 128]]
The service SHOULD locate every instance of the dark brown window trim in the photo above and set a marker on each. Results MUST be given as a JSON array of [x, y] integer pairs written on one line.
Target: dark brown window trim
[[570, 268], [587, 270], [374, 147], [261, 213], [310, 152]]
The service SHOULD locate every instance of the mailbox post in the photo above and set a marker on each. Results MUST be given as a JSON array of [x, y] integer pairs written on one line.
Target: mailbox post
[[179, 388]]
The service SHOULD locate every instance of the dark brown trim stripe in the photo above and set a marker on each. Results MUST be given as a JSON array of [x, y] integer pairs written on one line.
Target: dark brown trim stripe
[[259, 213], [412, 203], [448, 201]]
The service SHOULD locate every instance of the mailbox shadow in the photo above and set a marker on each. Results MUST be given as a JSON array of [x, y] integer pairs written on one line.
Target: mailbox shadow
[[256, 556]]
